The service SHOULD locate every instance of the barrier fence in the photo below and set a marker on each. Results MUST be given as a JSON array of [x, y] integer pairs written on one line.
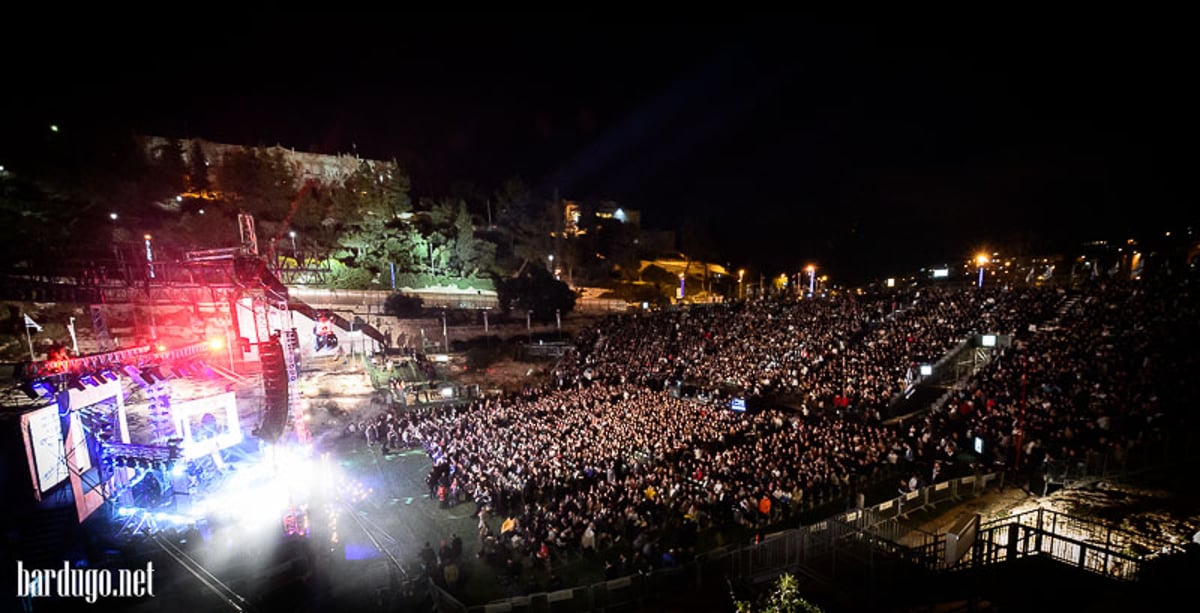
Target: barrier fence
[[875, 534], [869, 546], [1089, 545]]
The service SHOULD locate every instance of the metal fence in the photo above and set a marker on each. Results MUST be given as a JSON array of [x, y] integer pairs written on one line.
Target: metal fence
[[1089, 545], [374, 300], [602, 305], [1115, 465], [871, 546]]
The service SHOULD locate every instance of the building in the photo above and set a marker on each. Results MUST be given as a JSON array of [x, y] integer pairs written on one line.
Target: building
[[322, 168]]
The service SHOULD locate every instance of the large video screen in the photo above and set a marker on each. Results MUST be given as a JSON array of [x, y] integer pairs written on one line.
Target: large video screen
[[42, 430]]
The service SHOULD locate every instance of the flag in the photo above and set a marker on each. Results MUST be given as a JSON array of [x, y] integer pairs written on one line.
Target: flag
[[29, 323]]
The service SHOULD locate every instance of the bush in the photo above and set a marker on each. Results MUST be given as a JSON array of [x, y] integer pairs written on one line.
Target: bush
[[417, 280], [403, 305], [538, 292]]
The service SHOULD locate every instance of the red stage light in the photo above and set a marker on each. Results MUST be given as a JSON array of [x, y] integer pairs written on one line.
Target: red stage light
[[161, 348], [216, 344]]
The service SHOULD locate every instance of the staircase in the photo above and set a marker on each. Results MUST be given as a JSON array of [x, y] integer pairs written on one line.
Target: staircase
[[291, 351], [1064, 308]]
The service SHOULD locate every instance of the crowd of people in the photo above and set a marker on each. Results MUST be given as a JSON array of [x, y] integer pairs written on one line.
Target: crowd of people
[[857, 351], [605, 457], [1099, 381]]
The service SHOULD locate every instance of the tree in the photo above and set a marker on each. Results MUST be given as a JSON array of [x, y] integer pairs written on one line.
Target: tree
[[472, 256], [214, 228], [258, 182], [168, 171], [371, 217], [403, 305], [197, 177], [784, 599], [528, 223], [662, 279], [538, 291], [41, 230]]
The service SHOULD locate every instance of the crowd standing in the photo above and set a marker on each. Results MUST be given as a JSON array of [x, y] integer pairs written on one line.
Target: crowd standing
[[609, 458]]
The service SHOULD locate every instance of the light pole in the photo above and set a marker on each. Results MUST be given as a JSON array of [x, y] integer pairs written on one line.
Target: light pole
[[981, 260], [292, 234], [149, 256], [812, 279], [741, 286], [74, 340]]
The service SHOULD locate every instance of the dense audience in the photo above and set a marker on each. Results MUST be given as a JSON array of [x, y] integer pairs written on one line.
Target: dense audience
[[1094, 382], [611, 456]]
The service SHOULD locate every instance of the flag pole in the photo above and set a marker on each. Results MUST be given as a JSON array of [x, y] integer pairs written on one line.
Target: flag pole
[[28, 337]]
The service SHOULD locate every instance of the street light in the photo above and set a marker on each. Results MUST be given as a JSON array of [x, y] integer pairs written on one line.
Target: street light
[[812, 279], [981, 260], [149, 256], [741, 287], [292, 234]]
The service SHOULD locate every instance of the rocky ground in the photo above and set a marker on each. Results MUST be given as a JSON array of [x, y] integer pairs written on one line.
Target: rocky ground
[[1155, 511]]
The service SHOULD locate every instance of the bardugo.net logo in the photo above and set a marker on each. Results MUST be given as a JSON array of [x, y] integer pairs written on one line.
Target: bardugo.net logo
[[87, 584]]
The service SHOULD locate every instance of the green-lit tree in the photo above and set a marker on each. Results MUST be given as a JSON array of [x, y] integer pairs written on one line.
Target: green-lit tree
[[473, 257], [371, 216], [784, 599]]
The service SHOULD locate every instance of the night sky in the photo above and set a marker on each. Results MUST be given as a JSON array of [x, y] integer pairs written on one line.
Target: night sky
[[866, 148]]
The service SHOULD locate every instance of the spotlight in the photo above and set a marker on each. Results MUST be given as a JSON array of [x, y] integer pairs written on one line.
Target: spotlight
[[136, 375], [38, 389], [152, 374]]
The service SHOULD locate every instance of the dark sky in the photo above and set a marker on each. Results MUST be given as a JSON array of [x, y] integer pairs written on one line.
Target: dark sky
[[867, 148]]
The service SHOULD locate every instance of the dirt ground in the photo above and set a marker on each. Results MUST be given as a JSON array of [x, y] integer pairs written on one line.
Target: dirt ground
[[1154, 512], [507, 374]]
